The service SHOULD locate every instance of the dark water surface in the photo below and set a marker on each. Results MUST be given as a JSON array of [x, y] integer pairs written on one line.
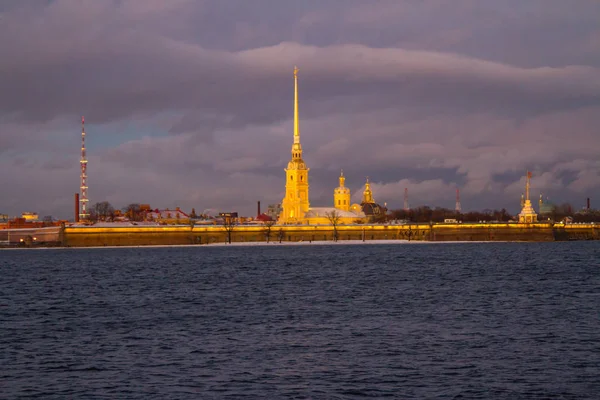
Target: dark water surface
[[455, 321]]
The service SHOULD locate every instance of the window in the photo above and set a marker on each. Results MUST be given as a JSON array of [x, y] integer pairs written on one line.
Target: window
[[339, 202]]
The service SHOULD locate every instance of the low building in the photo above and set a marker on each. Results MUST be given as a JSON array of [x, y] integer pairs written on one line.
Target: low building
[[342, 213], [30, 216], [273, 210], [168, 217], [332, 216], [264, 218], [546, 208]]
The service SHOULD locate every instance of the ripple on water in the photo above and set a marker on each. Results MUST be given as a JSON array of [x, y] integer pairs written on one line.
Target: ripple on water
[[456, 321]]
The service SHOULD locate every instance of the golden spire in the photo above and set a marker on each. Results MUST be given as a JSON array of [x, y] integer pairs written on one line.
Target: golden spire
[[368, 194], [296, 124], [342, 178], [527, 186]]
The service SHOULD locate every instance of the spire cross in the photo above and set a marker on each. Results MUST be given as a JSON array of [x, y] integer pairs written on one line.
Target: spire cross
[[527, 185]]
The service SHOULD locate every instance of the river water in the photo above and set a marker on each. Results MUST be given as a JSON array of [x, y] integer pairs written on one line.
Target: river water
[[448, 321]]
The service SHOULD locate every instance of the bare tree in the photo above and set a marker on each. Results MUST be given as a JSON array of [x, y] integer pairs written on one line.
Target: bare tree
[[334, 219], [103, 211], [229, 223], [133, 212], [268, 225]]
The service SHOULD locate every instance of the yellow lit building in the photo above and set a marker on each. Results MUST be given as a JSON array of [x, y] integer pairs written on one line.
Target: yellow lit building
[[30, 216], [295, 203], [342, 213], [341, 195], [368, 205], [527, 214]]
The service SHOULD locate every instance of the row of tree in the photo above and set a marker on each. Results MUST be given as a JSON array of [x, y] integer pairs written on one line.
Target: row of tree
[[439, 214], [104, 211]]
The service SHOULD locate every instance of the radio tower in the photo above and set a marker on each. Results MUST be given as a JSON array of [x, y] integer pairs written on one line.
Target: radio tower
[[83, 199], [406, 207], [457, 208]]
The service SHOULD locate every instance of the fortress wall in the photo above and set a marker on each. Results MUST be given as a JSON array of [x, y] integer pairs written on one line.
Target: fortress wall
[[577, 232], [493, 232], [43, 236], [180, 235]]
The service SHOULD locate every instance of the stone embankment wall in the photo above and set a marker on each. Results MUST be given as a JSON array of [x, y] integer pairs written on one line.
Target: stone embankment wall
[[48, 236], [180, 235], [493, 232], [577, 232]]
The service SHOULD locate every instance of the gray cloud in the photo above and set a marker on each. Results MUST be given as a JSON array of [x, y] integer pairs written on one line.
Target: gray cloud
[[411, 94]]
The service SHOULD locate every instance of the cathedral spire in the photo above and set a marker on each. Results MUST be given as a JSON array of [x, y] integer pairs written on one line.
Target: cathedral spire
[[295, 203], [296, 123], [527, 185], [342, 178]]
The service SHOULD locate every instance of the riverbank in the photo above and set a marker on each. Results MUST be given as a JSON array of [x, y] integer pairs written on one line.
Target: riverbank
[[155, 235], [197, 235]]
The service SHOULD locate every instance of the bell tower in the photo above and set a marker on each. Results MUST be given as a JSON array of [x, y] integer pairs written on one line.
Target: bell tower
[[295, 203], [341, 195]]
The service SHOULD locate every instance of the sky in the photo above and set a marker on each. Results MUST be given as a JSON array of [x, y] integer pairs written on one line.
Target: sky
[[189, 103]]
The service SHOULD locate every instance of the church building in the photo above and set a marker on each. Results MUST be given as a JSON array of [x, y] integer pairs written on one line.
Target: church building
[[295, 203], [295, 206], [372, 210]]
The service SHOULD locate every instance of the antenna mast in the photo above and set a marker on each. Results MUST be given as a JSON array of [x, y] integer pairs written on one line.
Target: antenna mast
[[83, 199]]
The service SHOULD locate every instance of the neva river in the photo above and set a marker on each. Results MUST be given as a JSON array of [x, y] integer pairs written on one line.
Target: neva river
[[448, 321]]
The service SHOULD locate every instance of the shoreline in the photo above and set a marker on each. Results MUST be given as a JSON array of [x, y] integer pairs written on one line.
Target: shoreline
[[271, 244], [101, 237]]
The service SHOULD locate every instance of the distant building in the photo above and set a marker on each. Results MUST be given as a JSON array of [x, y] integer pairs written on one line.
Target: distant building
[[273, 210], [30, 216], [527, 214], [341, 213], [369, 207], [295, 203], [3, 217], [168, 217], [295, 206], [262, 218], [546, 207]]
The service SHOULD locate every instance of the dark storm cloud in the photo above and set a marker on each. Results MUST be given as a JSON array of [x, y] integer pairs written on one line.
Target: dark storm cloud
[[430, 95], [115, 71]]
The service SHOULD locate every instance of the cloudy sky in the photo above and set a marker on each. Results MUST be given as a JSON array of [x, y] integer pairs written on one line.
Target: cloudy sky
[[190, 103]]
